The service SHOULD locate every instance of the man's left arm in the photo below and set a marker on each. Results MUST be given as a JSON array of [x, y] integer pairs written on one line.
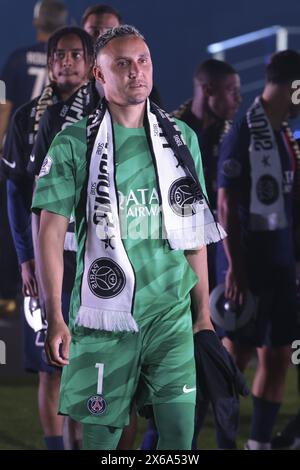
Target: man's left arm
[[200, 292], [198, 258]]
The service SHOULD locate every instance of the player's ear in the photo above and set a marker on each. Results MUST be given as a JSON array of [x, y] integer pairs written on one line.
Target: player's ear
[[98, 74], [89, 67], [208, 89], [49, 66]]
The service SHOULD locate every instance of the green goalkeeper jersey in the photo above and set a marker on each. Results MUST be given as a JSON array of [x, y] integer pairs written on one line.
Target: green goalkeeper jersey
[[164, 278]]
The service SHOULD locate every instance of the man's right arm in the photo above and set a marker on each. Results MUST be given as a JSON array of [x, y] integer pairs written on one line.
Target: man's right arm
[[231, 184], [53, 227], [235, 281]]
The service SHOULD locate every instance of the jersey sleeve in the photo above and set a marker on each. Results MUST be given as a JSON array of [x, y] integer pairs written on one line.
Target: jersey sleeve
[[15, 153], [55, 188], [41, 145], [192, 142], [233, 157], [19, 195]]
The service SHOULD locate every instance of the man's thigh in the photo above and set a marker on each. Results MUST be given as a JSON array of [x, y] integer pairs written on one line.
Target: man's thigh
[[168, 363], [99, 383]]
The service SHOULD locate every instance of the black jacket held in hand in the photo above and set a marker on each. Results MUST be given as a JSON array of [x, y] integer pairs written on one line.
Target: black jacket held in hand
[[219, 381]]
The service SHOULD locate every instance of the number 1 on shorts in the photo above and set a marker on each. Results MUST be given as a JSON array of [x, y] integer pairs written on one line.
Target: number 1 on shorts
[[100, 368]]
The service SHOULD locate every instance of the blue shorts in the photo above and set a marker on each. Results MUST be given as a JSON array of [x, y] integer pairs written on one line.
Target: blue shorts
[[275, 323], [34, 352]]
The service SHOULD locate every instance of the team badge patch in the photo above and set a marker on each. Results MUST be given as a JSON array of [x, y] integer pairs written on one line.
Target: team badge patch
[[231, 168], [181, 198], [96, 405], [106, 278], [267, 189], [46, 166]]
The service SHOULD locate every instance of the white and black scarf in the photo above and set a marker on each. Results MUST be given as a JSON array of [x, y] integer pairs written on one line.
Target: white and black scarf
[[267, 210], [71, 111], [108, 283]]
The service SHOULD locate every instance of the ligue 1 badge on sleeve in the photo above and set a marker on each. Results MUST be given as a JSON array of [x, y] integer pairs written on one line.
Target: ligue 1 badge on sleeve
[[96, 405], [46, 166]]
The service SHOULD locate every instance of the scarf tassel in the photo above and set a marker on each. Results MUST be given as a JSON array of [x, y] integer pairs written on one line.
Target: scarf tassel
[[106, 320], [210, 233]]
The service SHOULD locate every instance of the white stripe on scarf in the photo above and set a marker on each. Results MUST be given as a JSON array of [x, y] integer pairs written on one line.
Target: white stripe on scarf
[[266, 202]]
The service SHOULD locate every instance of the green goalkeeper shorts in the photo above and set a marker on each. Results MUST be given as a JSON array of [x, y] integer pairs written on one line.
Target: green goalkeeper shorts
[[108, 370]]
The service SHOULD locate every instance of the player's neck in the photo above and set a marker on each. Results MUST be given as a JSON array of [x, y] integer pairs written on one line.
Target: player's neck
[[197, 106], [131, 116], [202, 111], [65, 94]]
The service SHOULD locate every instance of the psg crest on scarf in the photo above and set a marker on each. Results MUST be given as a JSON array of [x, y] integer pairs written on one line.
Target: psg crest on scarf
[[106, 278], [181, 198], [96, 405], [267, 189]]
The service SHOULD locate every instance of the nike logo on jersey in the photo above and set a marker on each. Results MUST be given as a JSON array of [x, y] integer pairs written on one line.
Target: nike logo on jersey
[[32, 158], [188, 390], [10, 164]]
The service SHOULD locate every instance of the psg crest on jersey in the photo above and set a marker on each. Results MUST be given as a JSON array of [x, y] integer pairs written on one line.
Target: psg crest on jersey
[[106, 278], [182, 199], [96, 405]]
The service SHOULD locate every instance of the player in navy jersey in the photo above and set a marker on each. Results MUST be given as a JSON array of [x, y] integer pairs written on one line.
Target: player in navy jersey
[[255, 179], [70, 52], [24, 74], [25, 71]]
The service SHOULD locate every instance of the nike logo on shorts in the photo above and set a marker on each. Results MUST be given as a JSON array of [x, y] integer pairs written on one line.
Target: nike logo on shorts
[[10, 164], [188, 390]]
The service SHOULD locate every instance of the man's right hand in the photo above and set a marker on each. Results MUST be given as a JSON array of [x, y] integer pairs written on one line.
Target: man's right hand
[[29, 283], [57, 343], [236, 285]]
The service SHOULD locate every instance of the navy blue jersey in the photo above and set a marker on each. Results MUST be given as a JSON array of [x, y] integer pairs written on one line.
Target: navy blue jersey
[[18, 143], [17, 148], [25, 74], [266, 248]]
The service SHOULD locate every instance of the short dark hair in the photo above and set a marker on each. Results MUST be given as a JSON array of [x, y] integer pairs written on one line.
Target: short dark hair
[[99, 10], [117, 32], [50, 15], [87, 41], [284, 67], [213, 69]]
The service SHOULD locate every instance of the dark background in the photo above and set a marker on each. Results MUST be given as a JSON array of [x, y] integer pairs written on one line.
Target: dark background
[[177, 32]]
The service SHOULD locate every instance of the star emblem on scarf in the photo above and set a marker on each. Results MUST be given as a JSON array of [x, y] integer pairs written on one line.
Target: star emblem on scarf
[[265, 160], [108, 241]]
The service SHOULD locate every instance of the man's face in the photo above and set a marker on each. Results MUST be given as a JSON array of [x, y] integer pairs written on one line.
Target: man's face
[[224, 98], [68, 65], [124, 69], [99, 24]]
